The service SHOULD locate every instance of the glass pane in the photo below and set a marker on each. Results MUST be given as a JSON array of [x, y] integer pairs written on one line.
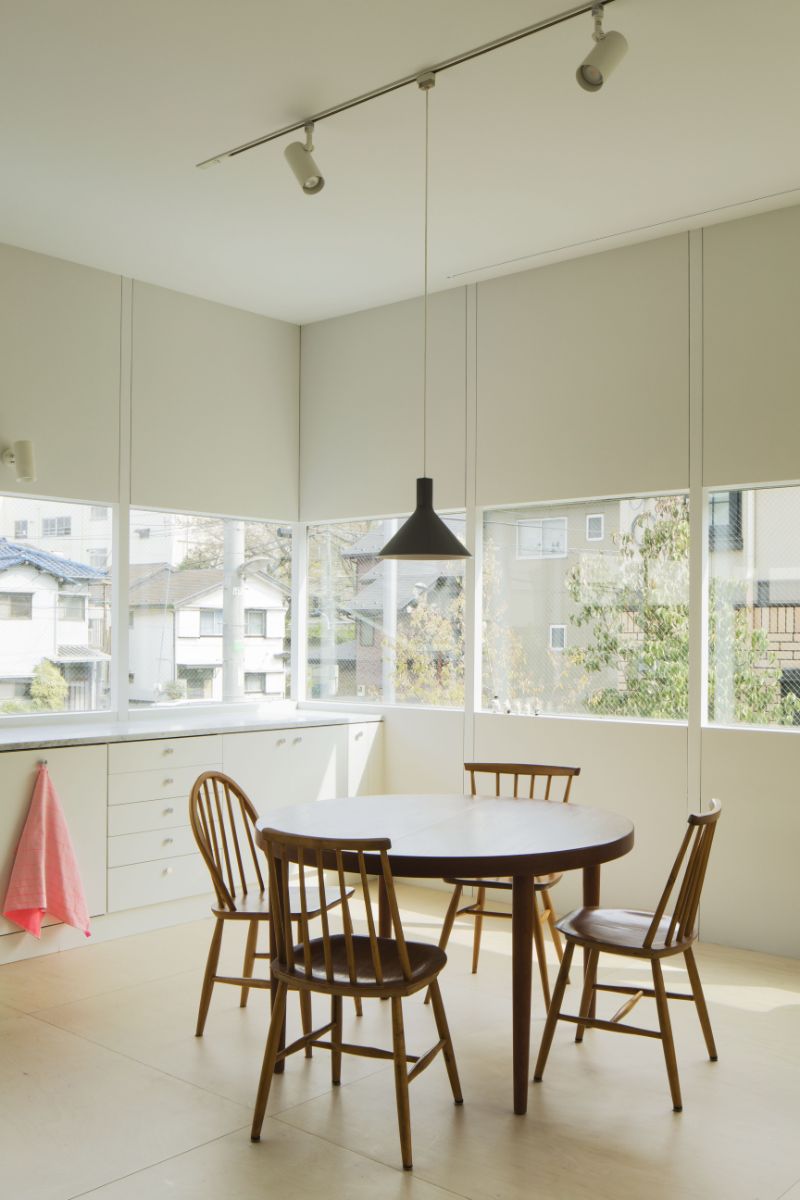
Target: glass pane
[[198, 588], [383, 631], [55, 606], [754, 607], [576, 625]]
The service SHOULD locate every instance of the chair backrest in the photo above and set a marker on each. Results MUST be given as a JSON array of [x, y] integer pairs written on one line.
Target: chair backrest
[[691, 861], [222, 819], [528, 773], [315, 856]]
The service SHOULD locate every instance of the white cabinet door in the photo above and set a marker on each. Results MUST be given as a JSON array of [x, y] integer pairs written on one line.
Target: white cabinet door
[[364, 758], [288, 766], [79, 777]]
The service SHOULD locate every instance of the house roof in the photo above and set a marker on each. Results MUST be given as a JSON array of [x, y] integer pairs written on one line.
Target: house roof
[[67, 654], [12, 554], [162, 586]]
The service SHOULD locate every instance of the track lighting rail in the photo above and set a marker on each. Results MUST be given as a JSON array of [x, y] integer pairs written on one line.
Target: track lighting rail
[[456, 61]]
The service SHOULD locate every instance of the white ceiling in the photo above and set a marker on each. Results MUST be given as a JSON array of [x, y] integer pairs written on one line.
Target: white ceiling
[[106, 107]]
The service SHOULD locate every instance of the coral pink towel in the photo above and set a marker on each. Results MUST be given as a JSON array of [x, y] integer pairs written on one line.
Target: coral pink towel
[[45, 877]]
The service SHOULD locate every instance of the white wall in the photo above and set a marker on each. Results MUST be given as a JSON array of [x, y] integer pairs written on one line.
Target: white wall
[[361, 416], [59, 359], [215, 408]]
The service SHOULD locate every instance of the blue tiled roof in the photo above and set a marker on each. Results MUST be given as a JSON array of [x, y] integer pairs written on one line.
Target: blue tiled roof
[[14, 555]]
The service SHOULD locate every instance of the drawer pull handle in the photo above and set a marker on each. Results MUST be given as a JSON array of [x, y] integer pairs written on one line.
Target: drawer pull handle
[[281, 742], [168, 870], [296, 740], [168, 812], [168, 841], [169, 749], [168, 781]]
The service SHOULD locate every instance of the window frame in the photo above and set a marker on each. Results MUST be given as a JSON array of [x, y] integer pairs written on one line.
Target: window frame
[[596, 517], [11, 597]]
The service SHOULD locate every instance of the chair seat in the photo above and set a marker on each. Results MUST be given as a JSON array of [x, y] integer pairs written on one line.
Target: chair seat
[[619, 928], [256, 904], [540, 882], [426, 963]]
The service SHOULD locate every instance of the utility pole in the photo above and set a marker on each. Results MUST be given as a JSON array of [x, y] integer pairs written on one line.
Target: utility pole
[[233, 611]]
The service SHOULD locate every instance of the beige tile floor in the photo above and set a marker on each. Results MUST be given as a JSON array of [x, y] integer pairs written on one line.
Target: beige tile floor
[[107, 1093]]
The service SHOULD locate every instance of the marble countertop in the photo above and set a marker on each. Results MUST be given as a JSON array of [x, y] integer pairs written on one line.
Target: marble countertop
[[44, 735]]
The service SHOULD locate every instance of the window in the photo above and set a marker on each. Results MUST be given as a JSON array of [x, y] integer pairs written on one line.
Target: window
[[600, 630], [414, 610], [98, 557], [210, 622], [16, 606], [753, 601], [143, 532], [255, 681], [366, 633], [98, 512], [595, 527], [558, 637], [56, 526], [544, 537], [71, 608], [62, 593], [196, 578], [725, 521], [255, 623]]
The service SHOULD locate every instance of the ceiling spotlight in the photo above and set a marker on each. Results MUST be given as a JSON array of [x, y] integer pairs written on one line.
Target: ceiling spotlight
[[609, 49], [306, 171]]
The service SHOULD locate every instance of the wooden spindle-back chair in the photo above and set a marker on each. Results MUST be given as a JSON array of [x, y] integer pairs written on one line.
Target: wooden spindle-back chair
[[527, 781], [347, 964], [223, 820], [651, 936]]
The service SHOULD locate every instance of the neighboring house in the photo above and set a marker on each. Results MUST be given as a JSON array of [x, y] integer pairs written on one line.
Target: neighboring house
[[56, 609], [176, 642]]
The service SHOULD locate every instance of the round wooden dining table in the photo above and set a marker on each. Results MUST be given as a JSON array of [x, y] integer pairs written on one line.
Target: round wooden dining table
[[436, 836]]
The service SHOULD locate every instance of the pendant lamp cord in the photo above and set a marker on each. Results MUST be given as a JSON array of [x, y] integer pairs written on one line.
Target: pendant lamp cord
[[426, 82]]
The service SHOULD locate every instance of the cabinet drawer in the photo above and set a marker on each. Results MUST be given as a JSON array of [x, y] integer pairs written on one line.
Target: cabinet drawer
[[153, 814], [169, 782], [175, 752], [146, 847], [157, 882]]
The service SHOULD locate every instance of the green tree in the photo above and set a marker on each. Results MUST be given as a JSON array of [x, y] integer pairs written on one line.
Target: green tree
[[48, 688], [262, 540], [429, 652], [637, 616]]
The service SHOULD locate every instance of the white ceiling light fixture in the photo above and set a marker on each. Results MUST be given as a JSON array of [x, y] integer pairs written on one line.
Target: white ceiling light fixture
[[608, 50], [299, 157]]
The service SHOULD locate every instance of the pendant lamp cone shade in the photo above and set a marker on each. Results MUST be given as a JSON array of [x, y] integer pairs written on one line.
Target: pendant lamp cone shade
[[424, 535]]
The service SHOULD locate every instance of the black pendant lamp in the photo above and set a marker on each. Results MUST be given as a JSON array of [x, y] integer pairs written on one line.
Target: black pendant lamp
[[424, 535]]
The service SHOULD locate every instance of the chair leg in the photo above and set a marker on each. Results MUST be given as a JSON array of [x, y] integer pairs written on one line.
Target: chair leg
[[336, 1039], [700, 1003], [208, 978], [447, 927], [357, 1003], [249, 959], [270, 1055], [666, 1035], [306, 1017], [476, 937], [553, 1012], [444, 1033], [401, 1081], [587, 995], [551, 921], [541, 958]]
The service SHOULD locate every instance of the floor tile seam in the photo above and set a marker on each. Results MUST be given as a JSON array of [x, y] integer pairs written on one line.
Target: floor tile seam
[[107, 992], [139, 1063], [360, 1154], [159, 1163]]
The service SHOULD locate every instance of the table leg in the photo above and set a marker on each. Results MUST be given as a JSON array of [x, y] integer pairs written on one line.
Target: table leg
[[522, 918], [273, 950], [384, 912], [591, 898]]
